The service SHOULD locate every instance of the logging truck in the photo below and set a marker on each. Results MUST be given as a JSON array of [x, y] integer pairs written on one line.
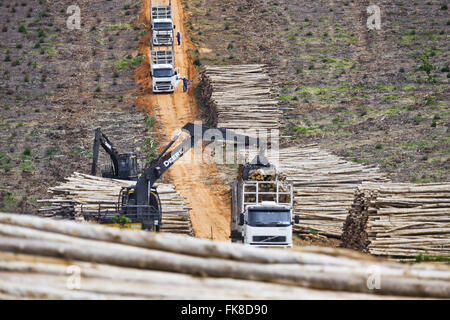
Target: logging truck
[[165, 77], [261, 213], [161, 22]]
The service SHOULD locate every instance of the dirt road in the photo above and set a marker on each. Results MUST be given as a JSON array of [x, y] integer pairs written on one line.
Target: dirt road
[[198, 182]]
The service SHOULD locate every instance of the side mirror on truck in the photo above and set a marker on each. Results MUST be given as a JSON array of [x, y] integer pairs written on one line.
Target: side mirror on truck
[[174, 26], [297, 219], [241, 219]]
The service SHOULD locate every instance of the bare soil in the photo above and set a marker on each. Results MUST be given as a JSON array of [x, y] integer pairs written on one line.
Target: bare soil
[[56, 86], [198, 182]]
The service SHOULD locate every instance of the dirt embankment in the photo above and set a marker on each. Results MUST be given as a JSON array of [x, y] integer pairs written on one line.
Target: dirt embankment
[[198, 182]]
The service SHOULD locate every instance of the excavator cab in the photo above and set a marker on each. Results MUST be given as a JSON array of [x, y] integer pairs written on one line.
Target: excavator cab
[[123, 166], [127, 165]]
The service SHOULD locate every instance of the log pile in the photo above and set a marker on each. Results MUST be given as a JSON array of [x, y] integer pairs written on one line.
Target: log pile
[[324, 187], [400, 220], [86, 191], [50, 259], [239, 97]]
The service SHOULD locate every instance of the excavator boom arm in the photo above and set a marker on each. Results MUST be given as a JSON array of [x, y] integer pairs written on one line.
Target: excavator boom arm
[[166, 159], [102, 140]]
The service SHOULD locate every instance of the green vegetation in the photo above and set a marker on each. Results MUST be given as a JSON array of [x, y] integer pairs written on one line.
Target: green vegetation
[[427, 258], [52, 151], [150, 145], [128, 61], [425, 64], [120, 26], [9, 203], [22, 29], [121, 220]]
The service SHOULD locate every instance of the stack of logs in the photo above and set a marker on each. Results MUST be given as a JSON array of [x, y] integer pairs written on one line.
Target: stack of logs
[[86, 191], [324, 187], [239, 97], [271, 176], [400, 220], [49, 259]]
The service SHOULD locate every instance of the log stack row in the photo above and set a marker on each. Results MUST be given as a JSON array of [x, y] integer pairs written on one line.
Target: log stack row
[[50, 259], [324, 187], [400, 220], [239, 97], [86, 191]]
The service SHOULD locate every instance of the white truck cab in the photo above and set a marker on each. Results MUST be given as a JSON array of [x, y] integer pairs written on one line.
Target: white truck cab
[[165, 77], [162, 32], [265, 213]]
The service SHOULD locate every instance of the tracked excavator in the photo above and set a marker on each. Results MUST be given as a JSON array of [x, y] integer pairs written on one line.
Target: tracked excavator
[[140, 203], [123, 166]]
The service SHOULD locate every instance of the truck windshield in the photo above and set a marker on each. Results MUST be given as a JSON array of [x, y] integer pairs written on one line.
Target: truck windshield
[[160, 73], [163, 26], [260, 218]]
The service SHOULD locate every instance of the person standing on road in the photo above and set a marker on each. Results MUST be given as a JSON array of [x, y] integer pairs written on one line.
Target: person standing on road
[[179, 37], [185, 84]]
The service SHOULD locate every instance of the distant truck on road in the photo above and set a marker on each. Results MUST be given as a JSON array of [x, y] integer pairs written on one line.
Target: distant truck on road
[[161, 21]]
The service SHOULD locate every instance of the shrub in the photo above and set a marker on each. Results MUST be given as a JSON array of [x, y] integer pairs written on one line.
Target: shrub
[[425, 64], [22, 29], [27, 152]]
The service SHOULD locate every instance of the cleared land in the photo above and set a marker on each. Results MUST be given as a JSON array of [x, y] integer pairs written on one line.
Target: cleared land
[[362, 94], [57, 85]]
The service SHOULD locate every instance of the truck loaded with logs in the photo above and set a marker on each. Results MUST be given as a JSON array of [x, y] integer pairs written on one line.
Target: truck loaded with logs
[[261, 206]]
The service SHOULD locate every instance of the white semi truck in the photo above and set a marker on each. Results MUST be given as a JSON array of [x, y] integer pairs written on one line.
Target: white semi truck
[[165, 77], [261, 213], [161, 23]]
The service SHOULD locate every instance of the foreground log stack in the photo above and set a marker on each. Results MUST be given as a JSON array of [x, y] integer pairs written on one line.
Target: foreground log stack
[[400, 220], [324, 187], [42, 259], [82, 190], [239, 97]]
